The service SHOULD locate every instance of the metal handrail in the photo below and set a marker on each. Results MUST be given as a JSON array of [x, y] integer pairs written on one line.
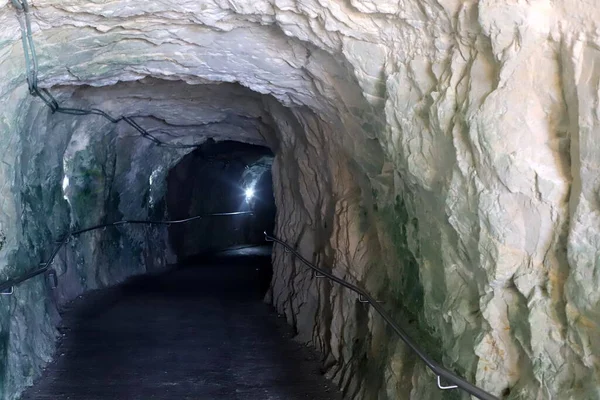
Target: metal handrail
[[437, 369], [7, 287]]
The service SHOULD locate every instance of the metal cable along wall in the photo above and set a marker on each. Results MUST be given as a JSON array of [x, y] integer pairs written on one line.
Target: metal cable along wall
[[8, 286], [31, 64], [32, 69], [365, 297]]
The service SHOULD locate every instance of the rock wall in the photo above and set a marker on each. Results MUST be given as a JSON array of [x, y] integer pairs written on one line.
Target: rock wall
[[442, 154]]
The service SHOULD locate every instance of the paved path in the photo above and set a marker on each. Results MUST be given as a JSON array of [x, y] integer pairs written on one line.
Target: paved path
[[199, 332]]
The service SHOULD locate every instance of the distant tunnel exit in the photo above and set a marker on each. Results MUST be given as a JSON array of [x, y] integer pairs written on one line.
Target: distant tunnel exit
[[220, 177]]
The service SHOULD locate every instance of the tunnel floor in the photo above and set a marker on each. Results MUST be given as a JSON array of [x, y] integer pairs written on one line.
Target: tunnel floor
[[198, 332]]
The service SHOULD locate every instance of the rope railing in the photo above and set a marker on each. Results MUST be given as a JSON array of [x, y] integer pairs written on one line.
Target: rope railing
[[31, 65], [364, 297], [7, 287]]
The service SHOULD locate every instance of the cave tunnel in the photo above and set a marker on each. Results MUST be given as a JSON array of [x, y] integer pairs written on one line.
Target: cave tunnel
[[435, 161], [220, 177]]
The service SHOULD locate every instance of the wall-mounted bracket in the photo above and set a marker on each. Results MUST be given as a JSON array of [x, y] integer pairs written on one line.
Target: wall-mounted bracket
[[8, 291], [52, 278], [361, 299], [439, 383], [316, 274]]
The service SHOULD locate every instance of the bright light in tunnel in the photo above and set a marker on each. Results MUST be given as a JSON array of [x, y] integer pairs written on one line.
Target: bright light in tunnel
[[65, 185], [249, 194]]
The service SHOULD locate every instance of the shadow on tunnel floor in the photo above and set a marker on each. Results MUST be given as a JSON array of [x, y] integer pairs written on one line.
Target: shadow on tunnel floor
[[197, 332], [242, 273], [243, 253]]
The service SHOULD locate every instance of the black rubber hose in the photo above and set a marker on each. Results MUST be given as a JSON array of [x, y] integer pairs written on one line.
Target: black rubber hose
[[432, 364], [6, 285]]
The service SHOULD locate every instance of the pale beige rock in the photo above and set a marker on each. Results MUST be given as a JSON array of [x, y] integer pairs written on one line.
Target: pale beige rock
[[442, 154]]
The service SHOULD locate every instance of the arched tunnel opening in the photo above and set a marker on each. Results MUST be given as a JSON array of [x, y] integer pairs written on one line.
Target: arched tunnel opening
[[221, 177], [438, 157]]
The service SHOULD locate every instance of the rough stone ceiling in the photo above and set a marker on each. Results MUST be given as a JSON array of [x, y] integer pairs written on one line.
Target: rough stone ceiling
[[176, 112], [111, 42]]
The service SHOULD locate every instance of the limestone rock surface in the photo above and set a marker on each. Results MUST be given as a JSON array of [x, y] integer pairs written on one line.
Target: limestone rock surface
[[441, 154]]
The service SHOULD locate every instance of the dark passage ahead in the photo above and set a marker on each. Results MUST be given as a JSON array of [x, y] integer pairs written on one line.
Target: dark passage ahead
[[199, 332]]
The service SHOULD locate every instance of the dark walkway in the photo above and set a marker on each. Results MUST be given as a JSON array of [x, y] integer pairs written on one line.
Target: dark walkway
[[200, 332]]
